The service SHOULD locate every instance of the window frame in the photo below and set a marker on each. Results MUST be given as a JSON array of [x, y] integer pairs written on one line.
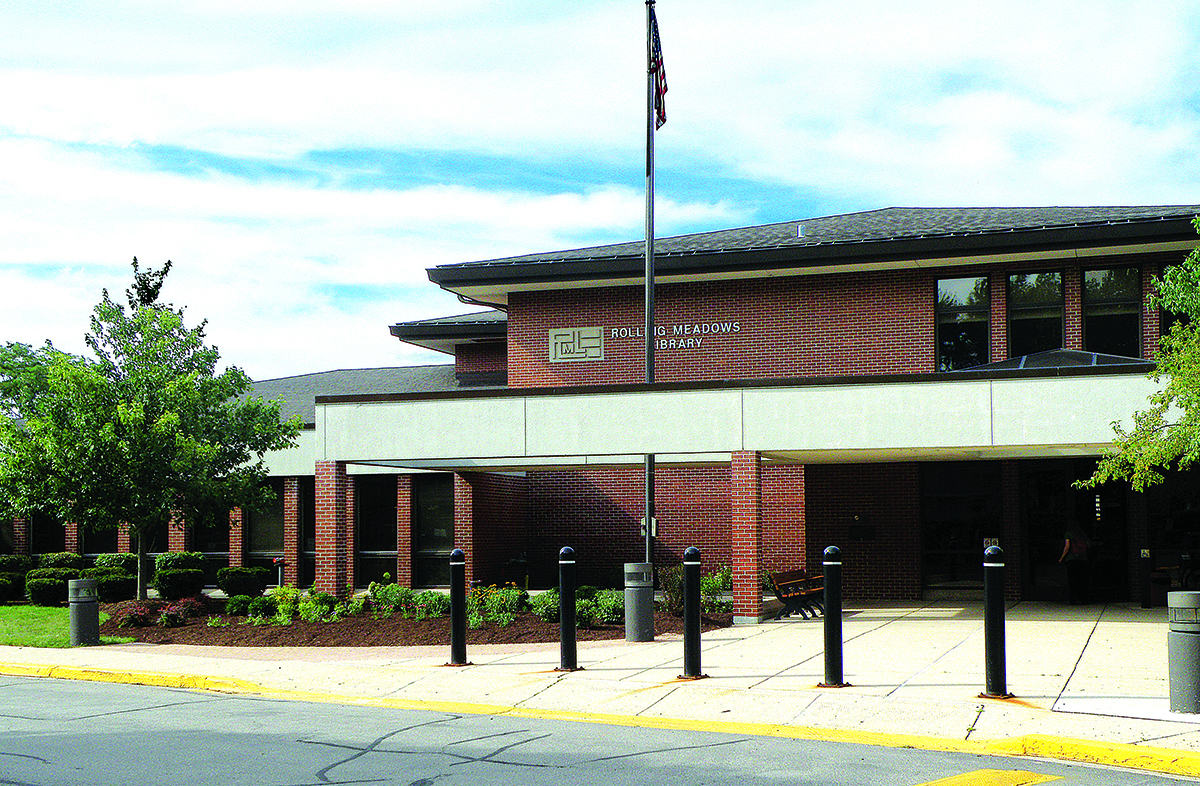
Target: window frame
[[1135, 304], [938, 311], [1013, 313]]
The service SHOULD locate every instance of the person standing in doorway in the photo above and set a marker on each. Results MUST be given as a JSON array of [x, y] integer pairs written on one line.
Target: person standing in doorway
[[1075, 555]]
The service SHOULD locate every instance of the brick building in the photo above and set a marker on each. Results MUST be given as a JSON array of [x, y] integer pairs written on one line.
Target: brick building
[[903, 383]]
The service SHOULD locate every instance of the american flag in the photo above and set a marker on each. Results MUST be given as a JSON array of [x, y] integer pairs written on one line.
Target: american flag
[[660, 73]]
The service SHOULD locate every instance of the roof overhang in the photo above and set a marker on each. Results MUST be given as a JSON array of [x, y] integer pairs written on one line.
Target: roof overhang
[[492, 283]]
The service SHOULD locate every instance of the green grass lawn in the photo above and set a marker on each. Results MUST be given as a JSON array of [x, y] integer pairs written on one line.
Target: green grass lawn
[[40, 626]]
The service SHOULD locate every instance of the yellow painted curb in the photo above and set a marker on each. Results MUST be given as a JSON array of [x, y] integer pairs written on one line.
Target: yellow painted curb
[[1163, 760]]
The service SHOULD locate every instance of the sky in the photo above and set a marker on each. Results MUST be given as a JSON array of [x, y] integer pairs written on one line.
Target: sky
[[304, 163]]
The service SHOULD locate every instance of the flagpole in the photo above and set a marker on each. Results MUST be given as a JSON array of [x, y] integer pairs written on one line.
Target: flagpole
[[649, 274]]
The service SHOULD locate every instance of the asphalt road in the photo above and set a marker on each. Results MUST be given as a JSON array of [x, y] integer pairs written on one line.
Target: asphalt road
[[84, 733]]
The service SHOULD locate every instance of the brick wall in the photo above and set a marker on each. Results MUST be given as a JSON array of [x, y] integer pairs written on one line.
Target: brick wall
[[475, 358], [332, 555], [404, 530], [820, 325], [746, 495], [237, 539], [498, 524], [291, 531], [885, 496]]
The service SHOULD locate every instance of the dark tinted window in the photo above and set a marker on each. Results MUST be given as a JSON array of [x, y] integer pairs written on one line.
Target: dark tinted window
[[962, 322], [1112, 311], [1035, 313]]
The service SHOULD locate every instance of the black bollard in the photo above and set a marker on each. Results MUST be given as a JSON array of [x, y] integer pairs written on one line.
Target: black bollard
[[458, 609], [691, 615], [566, 613], [832, 564], [993, 624]]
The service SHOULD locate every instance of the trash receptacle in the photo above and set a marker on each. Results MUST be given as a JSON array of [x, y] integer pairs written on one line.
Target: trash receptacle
[[1183, 650], [84, 606], [639, 601]]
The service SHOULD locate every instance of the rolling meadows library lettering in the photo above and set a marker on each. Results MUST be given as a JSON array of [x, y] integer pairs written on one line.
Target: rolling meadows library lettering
[[937, 378], [568, 344]]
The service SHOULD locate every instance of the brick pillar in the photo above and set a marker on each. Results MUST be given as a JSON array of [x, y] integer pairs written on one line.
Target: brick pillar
[[332, 486], [745, 486], [998, 288], [237, 538], [124, 541], [1072, 308], [1010, 537], [1151, 316], [71, 538], [291, 531], [178, 535], [21, 537], [404, 530], [464, 522], [351, 531]]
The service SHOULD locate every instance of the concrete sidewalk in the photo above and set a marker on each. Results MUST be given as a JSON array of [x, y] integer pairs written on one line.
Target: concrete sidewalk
[[1090, 682]]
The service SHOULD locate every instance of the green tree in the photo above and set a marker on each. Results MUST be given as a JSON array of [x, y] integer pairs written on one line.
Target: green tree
[[1167, 433], [145, 433]]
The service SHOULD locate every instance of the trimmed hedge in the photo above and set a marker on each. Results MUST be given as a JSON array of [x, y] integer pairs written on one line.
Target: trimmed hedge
[[12, 587], [235, 581], [57, 574], [112, 584], [15, 563], [46, 592], [61, 559], [122, 562], [179, 560], [176, 583]]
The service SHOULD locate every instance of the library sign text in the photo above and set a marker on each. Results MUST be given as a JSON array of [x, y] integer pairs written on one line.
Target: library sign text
[[568, 344]]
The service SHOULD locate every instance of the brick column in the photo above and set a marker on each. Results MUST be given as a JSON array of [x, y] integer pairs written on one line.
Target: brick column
[[178, 535], [1151, 316], [291, 531], [237, 538], [745, 487], [21, 537], [1072, 308], [404, 530], [124, 541], [998, 289], [351, 557], [71, 538], [332, 485], [464, 522]]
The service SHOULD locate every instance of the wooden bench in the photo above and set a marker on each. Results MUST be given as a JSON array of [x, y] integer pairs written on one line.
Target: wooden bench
[[798, 592]]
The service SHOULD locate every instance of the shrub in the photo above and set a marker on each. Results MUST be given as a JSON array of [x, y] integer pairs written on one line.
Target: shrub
[[670, 579], [190, 607], [61, 559], [15, 563], [179, 560], [124, 562], [546, 606], [175, 583], [262, 606], [586, 592], [287, 600], [499, 605], [46, 592], [243, 581], [112, 584], [610, 606], [170, 617], [585, 613], [48, 586], [317, 606], [430, 603], [387, 599], [138, 615], [12, 587], [238, 605]]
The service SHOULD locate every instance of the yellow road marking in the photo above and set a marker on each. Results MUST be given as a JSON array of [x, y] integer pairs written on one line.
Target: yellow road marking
[[994, 778]]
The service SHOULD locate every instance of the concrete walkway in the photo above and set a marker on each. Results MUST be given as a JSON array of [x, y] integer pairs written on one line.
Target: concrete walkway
[[1090, 682]]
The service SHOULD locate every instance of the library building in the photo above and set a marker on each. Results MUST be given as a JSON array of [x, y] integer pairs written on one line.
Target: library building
[[908, 384]]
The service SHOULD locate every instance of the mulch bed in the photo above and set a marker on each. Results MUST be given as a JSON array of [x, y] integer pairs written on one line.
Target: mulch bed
[[364, 631]]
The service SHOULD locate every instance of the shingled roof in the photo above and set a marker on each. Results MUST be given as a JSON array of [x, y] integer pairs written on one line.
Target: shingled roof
[[869, 238], [299, 393]]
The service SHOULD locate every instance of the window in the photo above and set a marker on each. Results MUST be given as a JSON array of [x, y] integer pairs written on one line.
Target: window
[[962, 322], [375, 499], [1035, 313], [263, 531], [1112, 302], [432, 529]]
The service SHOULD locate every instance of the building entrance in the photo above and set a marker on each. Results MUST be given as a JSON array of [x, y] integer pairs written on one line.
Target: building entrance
[[1049, 504], [960, 508]]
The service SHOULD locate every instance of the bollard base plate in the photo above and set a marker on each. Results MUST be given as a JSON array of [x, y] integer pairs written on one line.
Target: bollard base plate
[[834, 685], [456, 665], [692, 678], [996, 696], [576, 668]]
